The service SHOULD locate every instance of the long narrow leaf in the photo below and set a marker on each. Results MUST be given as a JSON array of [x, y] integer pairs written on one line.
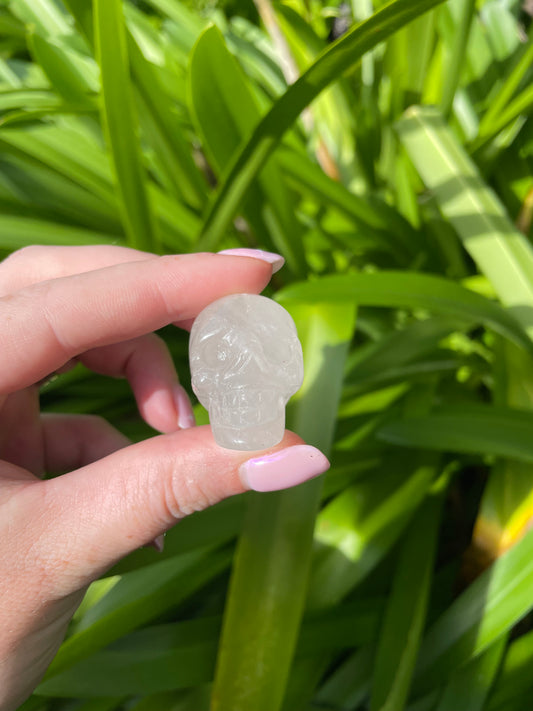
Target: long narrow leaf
[[342, 55], [17, 232], [225, 111], [120, 121], [138, 597], [475, 429], [469, 686], [501, 252], [485, 611], [267, 591], [406, 610], [411, 290]]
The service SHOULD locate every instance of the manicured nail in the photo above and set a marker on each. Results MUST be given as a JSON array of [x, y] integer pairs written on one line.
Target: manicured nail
[[276, 260], [284, 469], [158, 543], [184, 407]]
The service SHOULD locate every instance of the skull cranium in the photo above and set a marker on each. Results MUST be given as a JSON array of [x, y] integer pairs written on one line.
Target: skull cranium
[[246, 362]]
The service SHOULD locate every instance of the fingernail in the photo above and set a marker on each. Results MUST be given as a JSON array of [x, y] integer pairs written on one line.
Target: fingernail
[[276, 260], [183, 405], [284, 469], [158, 543]]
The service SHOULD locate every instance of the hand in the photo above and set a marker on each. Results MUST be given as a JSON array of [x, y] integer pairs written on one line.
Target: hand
[[99, 305]]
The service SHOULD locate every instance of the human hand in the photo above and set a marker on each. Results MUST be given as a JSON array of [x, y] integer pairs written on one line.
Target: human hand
[[99, 305]]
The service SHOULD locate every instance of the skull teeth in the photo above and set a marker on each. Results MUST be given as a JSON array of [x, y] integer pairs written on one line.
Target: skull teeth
[[245, 409]]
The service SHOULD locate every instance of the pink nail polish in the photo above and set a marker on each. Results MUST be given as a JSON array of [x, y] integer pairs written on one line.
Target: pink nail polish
[[158, 543], [284, 469], [184, 407], [276, 260]]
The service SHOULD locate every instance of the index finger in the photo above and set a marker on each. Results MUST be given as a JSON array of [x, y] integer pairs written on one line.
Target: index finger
[[46, 324]]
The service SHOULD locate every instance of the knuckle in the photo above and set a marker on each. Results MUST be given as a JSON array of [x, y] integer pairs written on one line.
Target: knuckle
[[24, 254], [95, 422], [155, 343], [184, 495], [13, 265]]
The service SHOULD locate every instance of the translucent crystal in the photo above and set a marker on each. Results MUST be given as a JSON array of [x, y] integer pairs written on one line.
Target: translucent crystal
[[246, 362]]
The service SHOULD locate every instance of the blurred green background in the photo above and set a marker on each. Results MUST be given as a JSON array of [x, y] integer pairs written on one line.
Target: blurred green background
[[386, 150]]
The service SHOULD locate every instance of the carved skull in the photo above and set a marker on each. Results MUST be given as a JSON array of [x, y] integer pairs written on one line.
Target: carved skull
[[246, 362]]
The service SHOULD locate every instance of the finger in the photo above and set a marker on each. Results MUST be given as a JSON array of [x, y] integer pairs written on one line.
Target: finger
[[36, 263], [46, 324], [73, 441], [94, 516], [148, 366]]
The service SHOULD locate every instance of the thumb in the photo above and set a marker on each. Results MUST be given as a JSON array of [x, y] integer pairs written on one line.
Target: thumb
[[95, 515]]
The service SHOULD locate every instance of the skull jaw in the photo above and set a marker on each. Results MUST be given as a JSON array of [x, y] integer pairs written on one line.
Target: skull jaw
[[253, 437], [248, 419]]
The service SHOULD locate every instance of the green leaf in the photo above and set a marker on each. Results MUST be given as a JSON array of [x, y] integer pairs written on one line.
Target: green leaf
[[407, 57], [181, 655], [501, 252], [71, 74], [152, 660], [357, 528], [137, 598], [522, 105], [410, 290], [491, 120], [164, 131], [331, 64], [372, 215], [506, 506], [73, 151], [405, 614], [81, 11], [225, 112], [469, 686], [329, 123], [268, 586], [70, 150], [484, 612], [120, 122], [17, 232], [456, 54], [257, 55], [348, 686], [29, 101], [514, 683], [44, 15], [369, 365], [29, 185], [474, 429]]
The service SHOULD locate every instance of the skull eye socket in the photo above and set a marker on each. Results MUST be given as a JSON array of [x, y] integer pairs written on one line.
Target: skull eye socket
[[279, 352], [216, 356]]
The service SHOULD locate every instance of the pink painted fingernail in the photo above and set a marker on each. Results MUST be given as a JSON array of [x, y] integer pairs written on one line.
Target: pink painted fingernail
[[158, 543], [284, 469], [276, 260], [184, 407]]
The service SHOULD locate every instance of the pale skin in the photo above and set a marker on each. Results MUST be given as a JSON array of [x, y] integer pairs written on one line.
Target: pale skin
[[98, 305]]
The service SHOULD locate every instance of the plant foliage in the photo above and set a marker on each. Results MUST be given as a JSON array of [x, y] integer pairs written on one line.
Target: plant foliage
[[386, 150]]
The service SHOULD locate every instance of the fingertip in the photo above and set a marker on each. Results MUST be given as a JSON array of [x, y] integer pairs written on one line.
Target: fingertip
[[186, 418], [275, 260], [283, 468]]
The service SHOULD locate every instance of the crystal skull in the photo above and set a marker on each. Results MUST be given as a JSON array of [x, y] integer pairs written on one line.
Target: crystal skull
[[246, 362]]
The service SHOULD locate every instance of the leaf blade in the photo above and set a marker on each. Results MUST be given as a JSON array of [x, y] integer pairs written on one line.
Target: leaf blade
[[328, 66], [120, 122]]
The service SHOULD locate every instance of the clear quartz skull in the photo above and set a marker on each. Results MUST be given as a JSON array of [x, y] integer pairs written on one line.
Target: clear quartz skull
[[246, 362]]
